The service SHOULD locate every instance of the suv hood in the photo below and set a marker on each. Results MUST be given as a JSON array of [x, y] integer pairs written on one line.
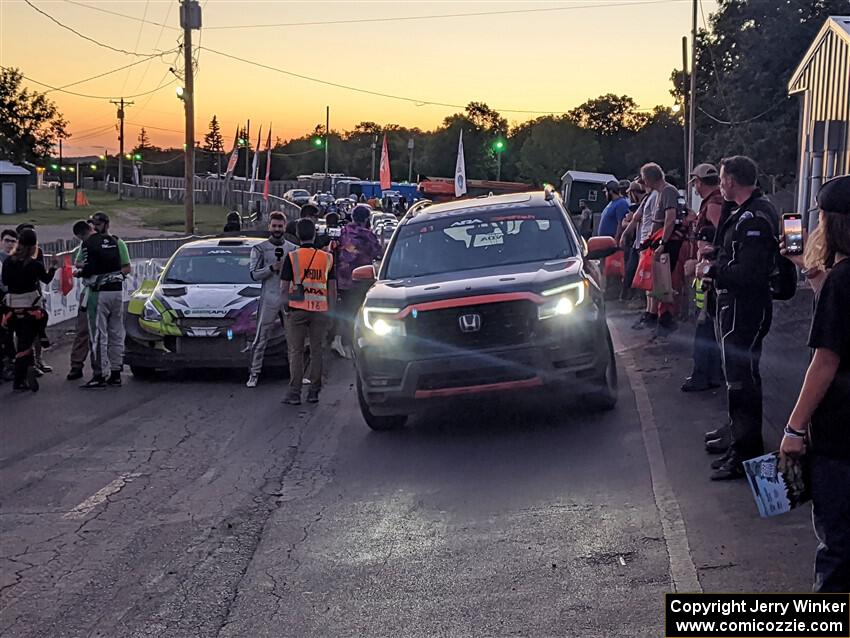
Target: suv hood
[[532, 277]]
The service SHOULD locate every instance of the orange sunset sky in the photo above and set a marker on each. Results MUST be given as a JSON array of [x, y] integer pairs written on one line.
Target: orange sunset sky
[[535, 59]]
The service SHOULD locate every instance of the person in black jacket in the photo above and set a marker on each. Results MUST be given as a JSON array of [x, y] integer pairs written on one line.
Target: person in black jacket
[[745, 257], [22, 273]]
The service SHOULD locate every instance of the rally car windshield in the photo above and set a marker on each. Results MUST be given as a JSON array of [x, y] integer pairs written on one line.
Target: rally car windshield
[[219, 265], [480, 240]]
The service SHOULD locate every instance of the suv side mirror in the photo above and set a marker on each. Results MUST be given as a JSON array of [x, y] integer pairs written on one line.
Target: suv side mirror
[[600, 247], [364, 273]]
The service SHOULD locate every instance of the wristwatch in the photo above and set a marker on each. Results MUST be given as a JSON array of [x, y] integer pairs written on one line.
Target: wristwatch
[[795, 434]]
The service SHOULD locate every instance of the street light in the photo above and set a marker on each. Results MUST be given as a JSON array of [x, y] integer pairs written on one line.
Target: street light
[[181, 93], [498, 149]]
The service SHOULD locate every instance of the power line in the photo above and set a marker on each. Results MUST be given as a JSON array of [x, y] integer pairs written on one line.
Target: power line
[[105, 73], [136, 46], [436, 16], [85, 37], [747, 121], [155, 45], [416, 101], [93, 97], [122, 15]]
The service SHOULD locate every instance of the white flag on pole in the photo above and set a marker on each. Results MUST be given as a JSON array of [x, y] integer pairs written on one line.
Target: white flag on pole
[[460, 169], [255, 167]]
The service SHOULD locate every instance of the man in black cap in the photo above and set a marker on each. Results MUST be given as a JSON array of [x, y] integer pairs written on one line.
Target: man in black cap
[[104, 264], [745, 256]]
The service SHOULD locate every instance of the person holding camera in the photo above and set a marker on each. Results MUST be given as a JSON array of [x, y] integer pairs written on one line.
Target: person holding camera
[[308, 285], [22, 275], [267, 259], [819, 425], [740, 269]]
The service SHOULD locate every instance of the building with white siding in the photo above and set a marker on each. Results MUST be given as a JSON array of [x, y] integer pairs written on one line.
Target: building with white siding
[[822, 80]]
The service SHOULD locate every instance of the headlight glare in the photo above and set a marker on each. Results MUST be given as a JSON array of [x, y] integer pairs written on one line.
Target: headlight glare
[[564, 300], [380, 322]]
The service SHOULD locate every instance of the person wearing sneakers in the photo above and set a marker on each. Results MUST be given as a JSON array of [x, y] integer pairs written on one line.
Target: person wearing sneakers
[[42, 342], [308, 286], [105, 263], [641, 225], [267, 260]]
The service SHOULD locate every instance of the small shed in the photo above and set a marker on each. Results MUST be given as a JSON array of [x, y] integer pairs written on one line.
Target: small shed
[[822, 80], [578, 185], [13, 188]]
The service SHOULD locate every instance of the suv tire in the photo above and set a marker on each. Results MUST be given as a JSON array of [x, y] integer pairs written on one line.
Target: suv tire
[[605, 397], [378, 423]]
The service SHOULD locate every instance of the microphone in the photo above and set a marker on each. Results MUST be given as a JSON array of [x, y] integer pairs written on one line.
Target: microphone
[[278, 252]]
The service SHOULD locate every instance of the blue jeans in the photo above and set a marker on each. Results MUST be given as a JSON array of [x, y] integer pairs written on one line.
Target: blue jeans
[[830, 479], [707, 368]]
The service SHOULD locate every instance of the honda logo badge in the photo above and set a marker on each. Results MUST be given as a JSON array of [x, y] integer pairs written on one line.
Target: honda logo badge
[[469, 323]]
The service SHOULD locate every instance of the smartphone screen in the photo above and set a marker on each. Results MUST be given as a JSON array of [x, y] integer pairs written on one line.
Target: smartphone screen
[[792, 230]]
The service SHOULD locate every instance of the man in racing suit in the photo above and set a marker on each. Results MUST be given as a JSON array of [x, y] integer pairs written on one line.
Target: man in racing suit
[[267, 259], [746, 251]]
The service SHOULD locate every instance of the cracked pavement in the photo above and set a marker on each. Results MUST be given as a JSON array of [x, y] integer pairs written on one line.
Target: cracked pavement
[[205, 509]]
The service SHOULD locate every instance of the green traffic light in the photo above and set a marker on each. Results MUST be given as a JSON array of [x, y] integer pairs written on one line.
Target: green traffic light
[[499, 146], [318, 142], [241, 141], [54, 167], [137, 157]]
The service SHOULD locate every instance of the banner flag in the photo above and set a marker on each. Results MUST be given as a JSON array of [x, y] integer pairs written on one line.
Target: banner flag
[[460, 169]]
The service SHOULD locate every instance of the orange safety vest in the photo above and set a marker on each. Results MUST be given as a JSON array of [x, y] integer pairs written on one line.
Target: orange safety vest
[[310, 267]]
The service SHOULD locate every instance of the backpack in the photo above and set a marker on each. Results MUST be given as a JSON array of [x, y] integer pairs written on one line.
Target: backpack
[[783, 281]]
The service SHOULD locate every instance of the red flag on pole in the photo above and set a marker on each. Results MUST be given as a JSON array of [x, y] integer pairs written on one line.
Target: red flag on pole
[[386, 180], [268, 165]]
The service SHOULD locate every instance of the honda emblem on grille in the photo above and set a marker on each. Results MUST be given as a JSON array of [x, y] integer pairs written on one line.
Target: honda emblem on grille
[[469, 323]]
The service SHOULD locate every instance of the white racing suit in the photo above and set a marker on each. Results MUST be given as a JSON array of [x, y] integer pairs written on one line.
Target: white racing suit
[[269, 312]]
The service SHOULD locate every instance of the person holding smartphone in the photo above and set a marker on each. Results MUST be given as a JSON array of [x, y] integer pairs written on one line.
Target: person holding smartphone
[[819, 425]]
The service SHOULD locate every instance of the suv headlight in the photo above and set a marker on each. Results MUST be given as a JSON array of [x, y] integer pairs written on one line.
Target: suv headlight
[[150, 312], [564, 300], [379, 322]]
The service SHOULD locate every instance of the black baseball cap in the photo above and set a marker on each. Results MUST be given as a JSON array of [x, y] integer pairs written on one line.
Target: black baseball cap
[[834, 196], [99, 217]]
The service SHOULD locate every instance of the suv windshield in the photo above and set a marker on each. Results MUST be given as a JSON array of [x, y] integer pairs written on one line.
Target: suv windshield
[[479, 240], [214, 265]]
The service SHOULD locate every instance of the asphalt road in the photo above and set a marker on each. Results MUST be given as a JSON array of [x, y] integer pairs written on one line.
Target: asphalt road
[[193, 506]]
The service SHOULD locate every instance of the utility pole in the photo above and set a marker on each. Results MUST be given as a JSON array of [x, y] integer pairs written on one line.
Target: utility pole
[[374, 144], [247, 164], [105, 167], [327, 132], [410, 145], [61, 179], [686, 111], [121, 104], [190, 18], [693, 111]]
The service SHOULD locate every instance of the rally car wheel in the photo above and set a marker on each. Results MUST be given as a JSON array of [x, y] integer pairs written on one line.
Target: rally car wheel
[[379, 423], [141, 372]]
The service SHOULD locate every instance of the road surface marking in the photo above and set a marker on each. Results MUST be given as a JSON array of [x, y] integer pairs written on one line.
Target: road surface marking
[[683, 573], [83, 509]]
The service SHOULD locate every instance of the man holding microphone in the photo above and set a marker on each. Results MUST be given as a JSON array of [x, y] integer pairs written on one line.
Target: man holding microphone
[[267, 260]]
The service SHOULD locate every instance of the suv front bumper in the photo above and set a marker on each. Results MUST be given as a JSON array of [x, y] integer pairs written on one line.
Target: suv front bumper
[[393, 383]]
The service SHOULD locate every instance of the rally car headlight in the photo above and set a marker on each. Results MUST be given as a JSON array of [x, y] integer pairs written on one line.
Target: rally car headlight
[[379, 322], [150, 312], [564, 300]]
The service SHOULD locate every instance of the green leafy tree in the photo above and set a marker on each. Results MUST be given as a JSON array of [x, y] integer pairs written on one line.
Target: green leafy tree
[[30, 124], [555, 145], [614, 119], [744, 62]]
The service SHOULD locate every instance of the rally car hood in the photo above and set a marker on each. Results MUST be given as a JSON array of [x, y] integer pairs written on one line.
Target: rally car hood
[[533, 277], [199, 310], [206, 300]]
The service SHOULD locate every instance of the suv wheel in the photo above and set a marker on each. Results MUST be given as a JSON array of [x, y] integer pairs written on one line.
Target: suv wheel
[[379, 423], [605, 397]]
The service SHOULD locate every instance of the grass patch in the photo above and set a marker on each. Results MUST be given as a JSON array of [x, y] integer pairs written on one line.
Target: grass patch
[[150, 213]]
